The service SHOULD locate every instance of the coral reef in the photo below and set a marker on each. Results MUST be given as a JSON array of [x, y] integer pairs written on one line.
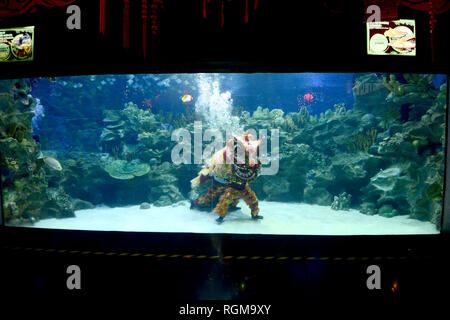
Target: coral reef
[[384, 156], [392, 165], [59, 203], [182, 119], [295, 120], [138, 119], [26, 197], [275, 187], [390, 115], [393, 85], [362, 141], [145, 205], [339, 109], [122, 169], [112, 135], [133, 133], [163, 182], [370, 94], [342, 202], [368, 208], [413, 98], [79, 204]]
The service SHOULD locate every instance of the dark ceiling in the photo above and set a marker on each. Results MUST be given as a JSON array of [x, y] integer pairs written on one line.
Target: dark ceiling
[[282, 35]]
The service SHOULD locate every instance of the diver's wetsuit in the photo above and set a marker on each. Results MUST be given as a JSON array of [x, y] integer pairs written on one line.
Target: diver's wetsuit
[[230, 194], [230, 179]]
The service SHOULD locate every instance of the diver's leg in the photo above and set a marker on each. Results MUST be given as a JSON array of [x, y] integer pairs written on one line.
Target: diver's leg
[[205, 201], [252, 201], [218, 191], [225, 200], [233, 206]]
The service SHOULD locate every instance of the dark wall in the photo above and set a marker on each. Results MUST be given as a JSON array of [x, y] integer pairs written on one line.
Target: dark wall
[[281, 35]]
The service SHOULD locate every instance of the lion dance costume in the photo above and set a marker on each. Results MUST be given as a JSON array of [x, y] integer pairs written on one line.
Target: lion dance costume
[[230, 169]]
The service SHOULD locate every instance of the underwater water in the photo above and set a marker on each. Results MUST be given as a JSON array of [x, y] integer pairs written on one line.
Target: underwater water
[[263, 153]]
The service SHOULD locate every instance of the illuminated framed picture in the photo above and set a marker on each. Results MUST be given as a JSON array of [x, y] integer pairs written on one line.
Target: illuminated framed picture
[[391, 38], [17, 44]]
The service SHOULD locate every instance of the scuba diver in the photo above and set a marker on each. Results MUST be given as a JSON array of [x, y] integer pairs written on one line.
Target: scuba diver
[[230, 169]]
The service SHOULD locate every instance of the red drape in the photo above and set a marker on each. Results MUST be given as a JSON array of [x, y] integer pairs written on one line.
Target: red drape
[[439, 5], [102, 17], [222, 15], [144, 27], [126, 24], [17, 7], [389, 8]]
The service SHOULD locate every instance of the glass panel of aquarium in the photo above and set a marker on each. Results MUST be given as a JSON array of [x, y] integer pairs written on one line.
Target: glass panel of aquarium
[[263, 153]]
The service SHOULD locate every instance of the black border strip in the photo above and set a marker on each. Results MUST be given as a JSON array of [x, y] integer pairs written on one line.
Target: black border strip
[[445, 216]]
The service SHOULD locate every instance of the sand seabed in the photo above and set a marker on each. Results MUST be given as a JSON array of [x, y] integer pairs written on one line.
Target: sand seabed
[[279, 218]]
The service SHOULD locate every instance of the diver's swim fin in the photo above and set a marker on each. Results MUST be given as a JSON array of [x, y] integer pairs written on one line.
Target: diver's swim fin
[[196, 206], [219, 220]]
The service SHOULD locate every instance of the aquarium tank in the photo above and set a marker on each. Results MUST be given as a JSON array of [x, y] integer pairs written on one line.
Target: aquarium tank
[[259, 153]]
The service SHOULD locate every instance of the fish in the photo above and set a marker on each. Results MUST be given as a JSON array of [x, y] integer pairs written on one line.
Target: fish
[[50, 161], [166, 125], [308, 97], [394, 33], [36, 138], [186, 98], [150, 101], [404, 43]]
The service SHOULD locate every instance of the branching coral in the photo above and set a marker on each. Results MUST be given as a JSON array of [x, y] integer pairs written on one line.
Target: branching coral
[[299, 119], [288, 124], [415, 82], [303, 116], [362, 141], [140, 120], [339, 109], [180, 121], [326, 115], [393, 85], [185, 118], [423, 83], [165, 117], [342, 202]]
